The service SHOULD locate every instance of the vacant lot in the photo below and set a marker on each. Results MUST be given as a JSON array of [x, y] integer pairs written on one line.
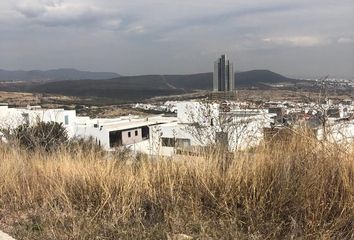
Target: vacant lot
[[300, 190], [22, 99]]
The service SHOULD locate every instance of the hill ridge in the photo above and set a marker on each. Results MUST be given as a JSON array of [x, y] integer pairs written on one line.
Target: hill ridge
[[146, 86], [53, 74]]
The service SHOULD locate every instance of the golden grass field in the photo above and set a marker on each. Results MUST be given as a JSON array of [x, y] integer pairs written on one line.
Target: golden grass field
[[303, 189]]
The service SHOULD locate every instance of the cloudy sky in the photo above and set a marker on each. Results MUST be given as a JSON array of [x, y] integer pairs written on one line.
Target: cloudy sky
[[296, 38]]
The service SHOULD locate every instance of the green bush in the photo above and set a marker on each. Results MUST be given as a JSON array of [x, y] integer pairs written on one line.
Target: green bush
[[47, 136]]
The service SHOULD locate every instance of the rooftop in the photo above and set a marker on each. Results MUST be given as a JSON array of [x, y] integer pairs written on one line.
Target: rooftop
[[138, 123]]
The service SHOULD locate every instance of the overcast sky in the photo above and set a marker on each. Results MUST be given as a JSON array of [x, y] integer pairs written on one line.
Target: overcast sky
[[296, 38]]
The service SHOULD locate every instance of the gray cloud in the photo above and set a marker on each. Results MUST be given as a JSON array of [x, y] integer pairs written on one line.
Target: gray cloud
[[299, 41], [31, 11], [53, 13], [167, 36], [345, 40]]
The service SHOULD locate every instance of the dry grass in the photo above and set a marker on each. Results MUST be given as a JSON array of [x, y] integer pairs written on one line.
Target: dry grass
[[300, 190], [22, 99]]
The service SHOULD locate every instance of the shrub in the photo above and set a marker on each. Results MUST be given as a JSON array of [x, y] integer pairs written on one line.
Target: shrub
[[47, 136]]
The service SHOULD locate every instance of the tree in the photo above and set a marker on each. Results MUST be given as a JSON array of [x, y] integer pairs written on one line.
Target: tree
[[218, 125], [46, 136]]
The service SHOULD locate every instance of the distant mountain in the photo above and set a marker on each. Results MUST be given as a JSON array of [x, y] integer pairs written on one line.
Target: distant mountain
[[146, 86], [55, 74], [204, 81], [257, 78], [124, 88]]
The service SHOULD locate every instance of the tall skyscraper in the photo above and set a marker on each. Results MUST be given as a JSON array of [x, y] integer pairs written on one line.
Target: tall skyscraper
[[224, 78]]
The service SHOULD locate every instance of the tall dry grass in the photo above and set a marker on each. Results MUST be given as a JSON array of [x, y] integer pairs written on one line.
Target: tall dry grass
[[298, 190]]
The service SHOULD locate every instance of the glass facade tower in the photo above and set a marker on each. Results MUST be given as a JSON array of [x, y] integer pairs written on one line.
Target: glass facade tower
[[223, 78]]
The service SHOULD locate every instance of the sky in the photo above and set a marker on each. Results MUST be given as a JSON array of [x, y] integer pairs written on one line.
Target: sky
[[302, 38]]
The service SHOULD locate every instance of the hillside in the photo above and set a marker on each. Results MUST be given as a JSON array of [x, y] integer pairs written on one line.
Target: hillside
[[199, 81], [258, 78], [247, 79], [55, 74], [125, 88], [145, 86]]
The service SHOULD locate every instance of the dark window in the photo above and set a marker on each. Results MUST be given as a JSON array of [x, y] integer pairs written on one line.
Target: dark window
[[221, 138], [145, 132], [115, 139], [333, 112], [25, 118], [129, 134], [136, 132], [168, 142]]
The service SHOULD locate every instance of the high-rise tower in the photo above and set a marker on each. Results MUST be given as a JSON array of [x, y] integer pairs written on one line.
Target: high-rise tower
[[224, 78]]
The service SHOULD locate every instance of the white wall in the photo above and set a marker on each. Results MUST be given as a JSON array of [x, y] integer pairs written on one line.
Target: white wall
[[197, 112], [198, 136], [243, 132], [338, 132], [143, 147], [126, 139], [11, 118], [99, 135], [247, 135]]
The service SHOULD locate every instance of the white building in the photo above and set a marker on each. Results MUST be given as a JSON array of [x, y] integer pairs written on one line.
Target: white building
[[196, 125], [136, 133], [201, 124], [133, 132], [338, 131], [11, 118]]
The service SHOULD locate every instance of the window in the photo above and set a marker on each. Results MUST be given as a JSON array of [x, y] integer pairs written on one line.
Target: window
[[168, 142], [129, 134], [136, 132], [221, 138], [145, 132], [176, 142], [25, 118], [183, 143], [115, 138], [66, 120]]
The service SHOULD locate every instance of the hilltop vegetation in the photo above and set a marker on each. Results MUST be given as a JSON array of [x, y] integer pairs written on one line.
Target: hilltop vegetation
[[125, 88], [302, 189], [137, 88]]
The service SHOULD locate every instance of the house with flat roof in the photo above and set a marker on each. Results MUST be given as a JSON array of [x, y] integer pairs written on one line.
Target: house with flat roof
[[11, 118], [139, 134], [196, 125], [201, 124]]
